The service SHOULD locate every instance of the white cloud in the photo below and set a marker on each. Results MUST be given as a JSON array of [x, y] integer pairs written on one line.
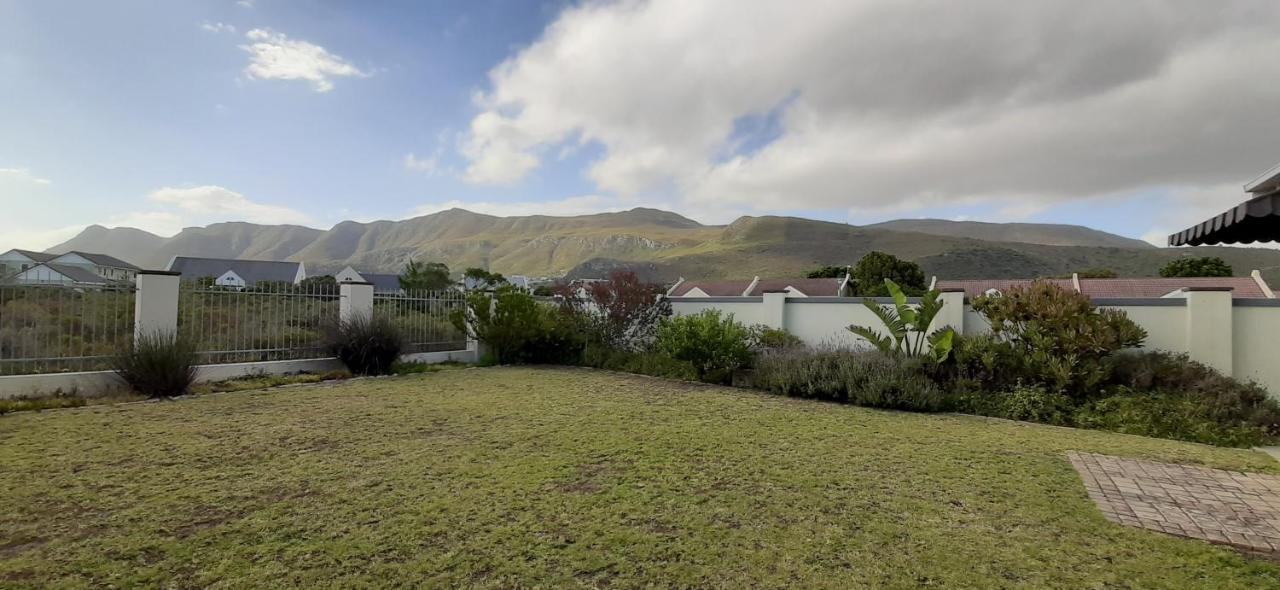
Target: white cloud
[[882, 103], [22, 175], [216, 203], [274, 56], [218, 27], [36, 239], [582, 205], [428, 165], [245, 3]]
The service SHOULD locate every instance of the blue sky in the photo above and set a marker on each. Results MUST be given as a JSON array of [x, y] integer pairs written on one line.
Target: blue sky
[[165, 114]]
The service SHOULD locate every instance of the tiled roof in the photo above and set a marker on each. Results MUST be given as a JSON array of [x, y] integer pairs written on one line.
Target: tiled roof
[[1241, 287], [713, 288], [809, 287], [382, 283], [1133, 288], [976, 287], [252, 271]]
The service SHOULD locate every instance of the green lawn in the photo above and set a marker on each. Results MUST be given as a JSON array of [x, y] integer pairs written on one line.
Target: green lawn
[[559, 477]]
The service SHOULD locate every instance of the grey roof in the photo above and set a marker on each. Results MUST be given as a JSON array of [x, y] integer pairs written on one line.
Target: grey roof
[[36, 256], [382, 283], [104, 260], [252, 271], [76, 273]]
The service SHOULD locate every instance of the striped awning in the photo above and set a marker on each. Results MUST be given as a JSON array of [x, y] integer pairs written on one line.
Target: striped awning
[[1255, 220]]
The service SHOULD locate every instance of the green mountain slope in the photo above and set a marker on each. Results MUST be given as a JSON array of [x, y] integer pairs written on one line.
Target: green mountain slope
[[1048, 234], [658, 244]]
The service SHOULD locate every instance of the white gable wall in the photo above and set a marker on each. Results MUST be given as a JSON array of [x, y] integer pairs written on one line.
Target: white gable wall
[[42, 275], [349, 275], [229, 279]]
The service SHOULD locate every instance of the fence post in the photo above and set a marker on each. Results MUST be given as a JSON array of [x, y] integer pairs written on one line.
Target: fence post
[[355, 300], [155, 305], [775, 310], [1209, 330], [952, 312]]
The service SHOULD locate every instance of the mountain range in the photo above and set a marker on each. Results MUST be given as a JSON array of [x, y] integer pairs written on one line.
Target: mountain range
[[662, 245]]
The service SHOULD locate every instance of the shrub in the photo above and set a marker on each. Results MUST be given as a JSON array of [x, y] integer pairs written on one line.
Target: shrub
[[907, 327], [622, 313], [518, 329], [1175, 415], [643, 363], [871, 271], [157, 365], [714, 344], [866, 378], [1059, 338], [1035, 403], [366, 345], [764, 337]]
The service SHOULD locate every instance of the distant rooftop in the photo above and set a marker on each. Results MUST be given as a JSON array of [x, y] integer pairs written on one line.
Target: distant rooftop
[[252, 271]]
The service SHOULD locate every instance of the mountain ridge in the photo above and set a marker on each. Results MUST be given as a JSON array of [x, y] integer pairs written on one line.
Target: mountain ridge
[[661, 245]]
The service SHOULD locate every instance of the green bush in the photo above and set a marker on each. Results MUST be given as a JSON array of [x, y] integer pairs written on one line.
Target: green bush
[[1058, 337], [157, 365], [865, 378], [714, 344], [1035, 403], [642, 363], [1175, 415], [366, 345], [764, 337], [518, 329]]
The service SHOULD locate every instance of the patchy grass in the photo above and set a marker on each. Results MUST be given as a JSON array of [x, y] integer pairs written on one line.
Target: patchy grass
[[566, 477], [267, 381], [58, 400]]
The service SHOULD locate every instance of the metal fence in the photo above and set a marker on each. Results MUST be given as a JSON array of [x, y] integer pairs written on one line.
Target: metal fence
[[276, 321], [61, 328], [424, 318]]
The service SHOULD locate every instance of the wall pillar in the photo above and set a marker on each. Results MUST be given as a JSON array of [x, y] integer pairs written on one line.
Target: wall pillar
[[355, 300], [775, 310], [155, 304], [952, 312], [1209, 327]]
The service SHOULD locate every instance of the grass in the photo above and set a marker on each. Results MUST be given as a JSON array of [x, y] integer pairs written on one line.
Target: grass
[[506, 477]]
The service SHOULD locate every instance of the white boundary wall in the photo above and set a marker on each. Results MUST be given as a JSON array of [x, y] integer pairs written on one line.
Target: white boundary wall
[[1239, 337], [156, 312]]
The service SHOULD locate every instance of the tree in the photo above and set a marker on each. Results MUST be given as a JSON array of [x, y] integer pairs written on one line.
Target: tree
[[425, 276], [1206, 266], [1090, 273], [828, 272], [871, 271], [621, 313], [483, 280]]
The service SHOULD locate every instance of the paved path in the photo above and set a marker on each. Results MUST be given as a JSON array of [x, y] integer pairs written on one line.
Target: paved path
[[1227, 507]]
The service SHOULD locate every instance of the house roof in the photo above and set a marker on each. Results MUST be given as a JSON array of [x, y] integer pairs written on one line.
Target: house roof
[[810, 287], [74, 273], [36, 256], [1134, 288], [713, 288], [252, 271], [102, 260], [382, 283]]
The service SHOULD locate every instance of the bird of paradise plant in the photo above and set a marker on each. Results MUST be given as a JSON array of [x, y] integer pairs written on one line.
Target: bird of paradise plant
[[908, 327]]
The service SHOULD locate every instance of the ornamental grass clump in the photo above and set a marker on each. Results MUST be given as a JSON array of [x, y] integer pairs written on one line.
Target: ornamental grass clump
[[366, 345], [157, 365]]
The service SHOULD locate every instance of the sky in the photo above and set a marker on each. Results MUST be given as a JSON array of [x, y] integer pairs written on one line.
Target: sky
[[1139, 117]]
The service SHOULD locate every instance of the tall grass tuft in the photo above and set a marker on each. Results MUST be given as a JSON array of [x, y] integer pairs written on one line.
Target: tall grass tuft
[[366, 345], [157, 365]]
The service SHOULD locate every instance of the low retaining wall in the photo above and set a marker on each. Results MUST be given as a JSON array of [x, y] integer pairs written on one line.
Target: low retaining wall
[[91, 383]]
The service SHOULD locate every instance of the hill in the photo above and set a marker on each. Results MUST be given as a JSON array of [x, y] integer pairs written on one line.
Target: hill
[[1049, 234], [663, 245]]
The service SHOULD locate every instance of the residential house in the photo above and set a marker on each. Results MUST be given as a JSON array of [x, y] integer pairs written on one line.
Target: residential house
[[382, 283], [28, 267], [1250, 287], [797, 287], [229, 272], [58, 274], [107, 267], [15, 261]]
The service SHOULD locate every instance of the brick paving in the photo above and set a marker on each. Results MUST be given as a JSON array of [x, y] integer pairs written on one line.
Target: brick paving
[[1226, 507]]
